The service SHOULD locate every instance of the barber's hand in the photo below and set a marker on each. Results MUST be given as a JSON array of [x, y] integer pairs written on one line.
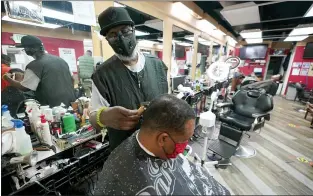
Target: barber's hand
[[120, 118], [6, 76]]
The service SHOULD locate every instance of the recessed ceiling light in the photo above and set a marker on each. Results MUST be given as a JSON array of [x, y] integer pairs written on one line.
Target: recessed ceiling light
[[254, 41], [309, 13], [295, 38], [251, 34], [302, 31]]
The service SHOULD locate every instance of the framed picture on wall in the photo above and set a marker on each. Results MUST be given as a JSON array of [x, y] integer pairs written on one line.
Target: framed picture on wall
[[25, 10]]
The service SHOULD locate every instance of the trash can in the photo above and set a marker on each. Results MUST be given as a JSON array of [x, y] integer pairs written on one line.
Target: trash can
[[291, 91]]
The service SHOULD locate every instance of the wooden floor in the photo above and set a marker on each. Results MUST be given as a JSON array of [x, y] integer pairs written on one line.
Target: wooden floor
[[275, 169]]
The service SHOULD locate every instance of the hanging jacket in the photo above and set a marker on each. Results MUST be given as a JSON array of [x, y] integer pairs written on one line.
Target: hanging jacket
[[86, 66]]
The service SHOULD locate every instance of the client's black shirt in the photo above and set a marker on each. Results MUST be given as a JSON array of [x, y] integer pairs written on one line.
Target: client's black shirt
[[129, 170]]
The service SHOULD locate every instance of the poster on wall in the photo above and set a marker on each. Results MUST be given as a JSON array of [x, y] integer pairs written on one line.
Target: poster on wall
[[306, 65], [84, 12], [310, 73], [295, 71], [296, 64], [304, 72], [68, 54]]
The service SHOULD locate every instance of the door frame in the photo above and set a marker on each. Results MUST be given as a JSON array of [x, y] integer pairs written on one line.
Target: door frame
[[268, 62]]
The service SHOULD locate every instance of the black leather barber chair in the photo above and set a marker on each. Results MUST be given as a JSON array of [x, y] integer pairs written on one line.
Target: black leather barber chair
[[247, 112]]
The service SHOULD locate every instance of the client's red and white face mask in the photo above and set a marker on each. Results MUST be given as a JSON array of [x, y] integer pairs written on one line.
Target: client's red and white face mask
[[179, 148]]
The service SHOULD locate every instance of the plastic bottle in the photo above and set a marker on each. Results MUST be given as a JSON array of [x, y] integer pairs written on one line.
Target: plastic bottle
[[23, 141], [6, 118], [5, 112], [45, 131]]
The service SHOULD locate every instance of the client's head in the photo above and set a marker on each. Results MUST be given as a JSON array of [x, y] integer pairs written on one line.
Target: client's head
[[168, 124]]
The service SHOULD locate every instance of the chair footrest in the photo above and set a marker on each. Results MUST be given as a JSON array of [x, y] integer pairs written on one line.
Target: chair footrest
[[222, 148]]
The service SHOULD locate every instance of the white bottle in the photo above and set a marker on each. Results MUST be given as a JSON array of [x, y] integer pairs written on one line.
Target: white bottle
[[23, 141], [6, 118], [45, 131]]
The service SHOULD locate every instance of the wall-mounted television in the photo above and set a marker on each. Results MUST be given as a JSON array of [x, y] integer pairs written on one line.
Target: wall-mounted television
[[255, 51], [308, 51]]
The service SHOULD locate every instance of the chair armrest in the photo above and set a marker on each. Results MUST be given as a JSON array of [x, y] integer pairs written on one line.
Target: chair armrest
[[222, 105], [259, 115]]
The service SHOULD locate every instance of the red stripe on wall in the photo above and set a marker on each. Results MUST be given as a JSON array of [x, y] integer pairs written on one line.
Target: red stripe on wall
[[51, 45]]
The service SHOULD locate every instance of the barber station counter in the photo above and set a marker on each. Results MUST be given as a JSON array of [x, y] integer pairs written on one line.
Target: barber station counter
[[58, 172]]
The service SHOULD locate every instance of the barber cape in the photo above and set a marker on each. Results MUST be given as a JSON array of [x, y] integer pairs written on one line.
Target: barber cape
[[129, 170]]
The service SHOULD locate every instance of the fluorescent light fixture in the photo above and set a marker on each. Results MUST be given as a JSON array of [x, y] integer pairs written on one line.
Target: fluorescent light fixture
[[254, 41], [205, 25], [116, 4], [140, 33], [295, 38], [57, 15], [309, 13], [251, 34], [183, 9], [218, 32], [44, 25], [301, 31]]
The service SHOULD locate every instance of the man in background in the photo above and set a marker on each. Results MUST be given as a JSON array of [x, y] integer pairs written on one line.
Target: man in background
[[85, 70], [49, 76], [5, 68]]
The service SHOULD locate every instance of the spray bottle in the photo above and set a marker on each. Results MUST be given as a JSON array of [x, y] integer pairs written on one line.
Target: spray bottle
[[23, 141], [45, 131]]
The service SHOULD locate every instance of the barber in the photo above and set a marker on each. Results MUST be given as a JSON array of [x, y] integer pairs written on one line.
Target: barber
[[49, 76], [126, 80]]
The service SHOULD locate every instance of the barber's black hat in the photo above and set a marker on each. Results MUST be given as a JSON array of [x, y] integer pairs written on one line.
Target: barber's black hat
[[29, 41], [112, 17]]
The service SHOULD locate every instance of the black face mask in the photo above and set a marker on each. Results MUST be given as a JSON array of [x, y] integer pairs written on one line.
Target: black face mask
[[124, 44], [30, 51]]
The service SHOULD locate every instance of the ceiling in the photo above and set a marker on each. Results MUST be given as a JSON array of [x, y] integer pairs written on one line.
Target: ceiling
[[275, 19], [143, 22]]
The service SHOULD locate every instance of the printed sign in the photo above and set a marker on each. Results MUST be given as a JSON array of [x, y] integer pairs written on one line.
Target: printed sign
[[68, 54]]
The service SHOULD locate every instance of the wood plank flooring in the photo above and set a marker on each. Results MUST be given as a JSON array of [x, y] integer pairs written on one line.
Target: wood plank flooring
[[275, 169]]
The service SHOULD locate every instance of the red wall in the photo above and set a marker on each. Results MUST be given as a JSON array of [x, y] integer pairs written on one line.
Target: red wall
[[52, 45], [247, 70], [308, 80]]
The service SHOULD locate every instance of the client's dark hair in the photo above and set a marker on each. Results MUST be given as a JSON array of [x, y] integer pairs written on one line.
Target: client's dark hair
[[16, 70], [167, 112]]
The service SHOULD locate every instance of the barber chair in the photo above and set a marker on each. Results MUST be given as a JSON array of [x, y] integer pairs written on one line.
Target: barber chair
[[247, 112]]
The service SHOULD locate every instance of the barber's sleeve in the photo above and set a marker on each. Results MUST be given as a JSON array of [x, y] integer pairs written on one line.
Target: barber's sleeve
[[30, 80], [97, 101]]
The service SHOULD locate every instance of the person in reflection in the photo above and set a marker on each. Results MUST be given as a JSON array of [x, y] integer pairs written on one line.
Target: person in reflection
[[123, 82], [150, 161], [49, 76], [5, 68]]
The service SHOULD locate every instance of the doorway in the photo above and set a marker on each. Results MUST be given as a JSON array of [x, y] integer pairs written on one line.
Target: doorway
[[274, 66]]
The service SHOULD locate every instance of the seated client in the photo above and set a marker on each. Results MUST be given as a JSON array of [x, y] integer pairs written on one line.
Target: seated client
[[149, 162]]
